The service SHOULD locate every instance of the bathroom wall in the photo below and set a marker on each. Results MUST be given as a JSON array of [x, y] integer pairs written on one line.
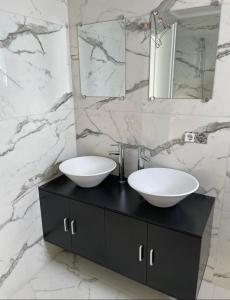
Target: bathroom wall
[[160, 125], [36, 129]]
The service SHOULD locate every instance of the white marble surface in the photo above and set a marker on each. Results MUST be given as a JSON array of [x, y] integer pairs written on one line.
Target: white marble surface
[[33, 59], [72, 277], [52, 10], [37, 129]]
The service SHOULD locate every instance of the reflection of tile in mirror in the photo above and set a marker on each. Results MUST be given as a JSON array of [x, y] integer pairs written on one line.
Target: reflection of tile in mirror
[[102, 58], [195, 56], [183, 64]]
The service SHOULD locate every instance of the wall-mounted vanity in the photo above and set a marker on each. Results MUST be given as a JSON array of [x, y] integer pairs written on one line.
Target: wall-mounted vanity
[[111, 224]]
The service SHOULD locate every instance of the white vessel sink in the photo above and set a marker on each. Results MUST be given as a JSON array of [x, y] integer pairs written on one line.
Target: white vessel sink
[[88, 171], [163, 187]]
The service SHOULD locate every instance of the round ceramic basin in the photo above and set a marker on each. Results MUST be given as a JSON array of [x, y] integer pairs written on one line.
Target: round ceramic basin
[[163, 187], [88, 171]]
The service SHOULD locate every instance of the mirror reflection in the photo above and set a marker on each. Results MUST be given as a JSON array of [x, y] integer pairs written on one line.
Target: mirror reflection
[[102, 58], [183, 53]]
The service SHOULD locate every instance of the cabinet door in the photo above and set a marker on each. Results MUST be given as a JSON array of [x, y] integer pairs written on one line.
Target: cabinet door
[[126, 241], [55, 221], [87, 227], [173, 262]]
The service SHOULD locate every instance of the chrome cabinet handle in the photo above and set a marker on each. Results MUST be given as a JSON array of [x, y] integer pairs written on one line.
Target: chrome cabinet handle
[[141, 253], [151, 257], [73, 228], [66, 227]]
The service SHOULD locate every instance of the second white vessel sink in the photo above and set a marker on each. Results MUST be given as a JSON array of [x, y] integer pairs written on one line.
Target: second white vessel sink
[[163, 187], [88, 171]]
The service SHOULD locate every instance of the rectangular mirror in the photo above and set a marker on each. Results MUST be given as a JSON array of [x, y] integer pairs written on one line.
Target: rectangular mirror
[[102, 58], [183, 49]]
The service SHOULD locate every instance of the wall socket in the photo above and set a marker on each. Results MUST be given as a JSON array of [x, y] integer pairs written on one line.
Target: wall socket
[[196, 137], [189, 137]]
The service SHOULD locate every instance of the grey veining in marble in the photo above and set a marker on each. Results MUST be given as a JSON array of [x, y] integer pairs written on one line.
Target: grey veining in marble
[[160, 125], [135, 87], [27, 29], [37, 121], [223, 50], [16, 260], [37, 129]]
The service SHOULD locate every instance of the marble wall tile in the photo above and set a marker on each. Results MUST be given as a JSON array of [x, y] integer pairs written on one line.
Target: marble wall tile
[[226, 204], [25, 165], [55, 131], [107, 10], [169, 150], [206, 290], [34, 57], [37, 129], [52, 10], [195, 3], [77, 278], [221, 293], [101, 129], [22, 250]]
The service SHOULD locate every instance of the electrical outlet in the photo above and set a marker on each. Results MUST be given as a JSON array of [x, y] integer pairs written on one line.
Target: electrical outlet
[[189, 137]]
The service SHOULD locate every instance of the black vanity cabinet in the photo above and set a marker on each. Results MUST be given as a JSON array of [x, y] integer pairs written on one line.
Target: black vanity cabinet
[[111, 224], [55, 219], [74, 226], [173, 261], [87, 229], [126, 242]]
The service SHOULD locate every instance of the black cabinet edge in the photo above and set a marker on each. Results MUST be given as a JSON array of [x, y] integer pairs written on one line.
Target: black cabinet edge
[[127, 215]]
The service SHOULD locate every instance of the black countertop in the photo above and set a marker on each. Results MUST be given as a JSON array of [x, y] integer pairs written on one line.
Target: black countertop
[[190, 216]]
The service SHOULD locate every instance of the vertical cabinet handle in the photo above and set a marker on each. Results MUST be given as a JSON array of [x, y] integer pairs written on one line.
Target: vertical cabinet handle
[[73, 227], [141, 253], [66, 227], [151, 257]]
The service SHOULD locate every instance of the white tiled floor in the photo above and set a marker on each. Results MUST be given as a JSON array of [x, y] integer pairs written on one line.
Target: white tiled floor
[[72, 277]]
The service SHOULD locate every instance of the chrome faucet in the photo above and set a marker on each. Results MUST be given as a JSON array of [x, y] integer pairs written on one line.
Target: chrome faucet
[[120, 153], [141, 157]]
